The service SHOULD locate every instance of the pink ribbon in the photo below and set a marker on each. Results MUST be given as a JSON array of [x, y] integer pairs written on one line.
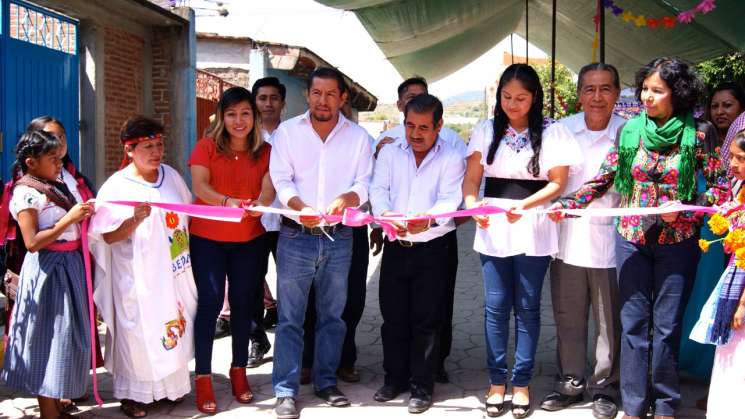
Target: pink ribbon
[[91, 317], [353, 217]]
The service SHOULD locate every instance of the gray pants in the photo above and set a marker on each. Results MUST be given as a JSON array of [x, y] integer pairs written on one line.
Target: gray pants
[[573, 290]]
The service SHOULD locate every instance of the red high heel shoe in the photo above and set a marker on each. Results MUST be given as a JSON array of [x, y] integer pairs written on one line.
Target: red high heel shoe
[[239, 383], [205, 395]]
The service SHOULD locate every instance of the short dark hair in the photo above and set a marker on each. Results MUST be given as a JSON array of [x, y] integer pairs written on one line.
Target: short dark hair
[[599, 67], [409, 82], [425, 103], [269, 82], [328, 73], [140, 126], [38, 123], [687, 88]]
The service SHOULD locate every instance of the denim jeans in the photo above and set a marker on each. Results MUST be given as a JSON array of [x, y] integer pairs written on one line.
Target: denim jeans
[[211, 262], [305, 260], [654, 282], [512, 282]]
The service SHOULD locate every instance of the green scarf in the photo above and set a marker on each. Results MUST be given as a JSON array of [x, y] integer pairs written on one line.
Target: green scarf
[[676, 131]]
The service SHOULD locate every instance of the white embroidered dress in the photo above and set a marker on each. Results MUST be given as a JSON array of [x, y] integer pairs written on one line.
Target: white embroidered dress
[[533, 234], [145, 289]]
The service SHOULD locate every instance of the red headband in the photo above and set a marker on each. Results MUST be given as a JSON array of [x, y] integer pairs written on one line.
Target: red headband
[[132, 141]]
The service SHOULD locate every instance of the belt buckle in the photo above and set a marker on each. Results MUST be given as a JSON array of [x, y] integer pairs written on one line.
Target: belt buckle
[[315, 231], [406, 243]]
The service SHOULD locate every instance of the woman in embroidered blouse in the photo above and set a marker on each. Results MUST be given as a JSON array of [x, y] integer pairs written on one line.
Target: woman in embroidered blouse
[[655, 163], [525, 167]]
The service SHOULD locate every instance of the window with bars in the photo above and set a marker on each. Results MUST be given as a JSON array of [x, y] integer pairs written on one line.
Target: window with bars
[[43, 29]]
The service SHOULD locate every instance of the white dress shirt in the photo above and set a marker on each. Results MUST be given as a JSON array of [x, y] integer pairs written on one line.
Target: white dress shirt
[[434, 187], [268, 220], [446, 134], [532, 234], [589, 241], [316, 171]]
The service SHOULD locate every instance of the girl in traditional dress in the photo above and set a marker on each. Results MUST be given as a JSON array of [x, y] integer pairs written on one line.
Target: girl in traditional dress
[[49, 342], [525, 167], [722, 319], [144, 285]]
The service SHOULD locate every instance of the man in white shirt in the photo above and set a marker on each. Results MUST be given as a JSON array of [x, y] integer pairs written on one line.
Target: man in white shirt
[[407, 90], [270, 97], [422, 175], [321, 163], [583, 273]]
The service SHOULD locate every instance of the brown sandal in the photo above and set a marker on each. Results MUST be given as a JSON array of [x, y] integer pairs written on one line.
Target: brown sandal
[[133, 409]]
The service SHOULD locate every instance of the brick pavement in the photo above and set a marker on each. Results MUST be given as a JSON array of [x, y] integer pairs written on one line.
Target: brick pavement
[[462, 398]]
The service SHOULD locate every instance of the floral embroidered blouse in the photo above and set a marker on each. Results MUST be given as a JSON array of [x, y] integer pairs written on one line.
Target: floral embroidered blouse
[[655, 183]]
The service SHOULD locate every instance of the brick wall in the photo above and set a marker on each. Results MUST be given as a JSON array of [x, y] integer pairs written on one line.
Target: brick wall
[[162, 65], [123, 84]]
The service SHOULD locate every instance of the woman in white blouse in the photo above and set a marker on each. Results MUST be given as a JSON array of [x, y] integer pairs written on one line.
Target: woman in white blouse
[[523, 166]]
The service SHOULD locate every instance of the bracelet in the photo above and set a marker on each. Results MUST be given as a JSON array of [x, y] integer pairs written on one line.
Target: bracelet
[[224, 200]]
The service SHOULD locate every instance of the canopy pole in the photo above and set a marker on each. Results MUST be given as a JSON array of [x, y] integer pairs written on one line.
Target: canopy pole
[[512, 50], [601, 14], [526, 32], [553, 59]]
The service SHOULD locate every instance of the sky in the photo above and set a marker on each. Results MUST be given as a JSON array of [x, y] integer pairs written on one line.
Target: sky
[[339, 38]]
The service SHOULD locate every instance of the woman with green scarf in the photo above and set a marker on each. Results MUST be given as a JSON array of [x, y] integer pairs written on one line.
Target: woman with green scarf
[[654, 163]]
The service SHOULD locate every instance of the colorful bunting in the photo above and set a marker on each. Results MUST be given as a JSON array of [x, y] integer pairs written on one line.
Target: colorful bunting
[[667, 22]]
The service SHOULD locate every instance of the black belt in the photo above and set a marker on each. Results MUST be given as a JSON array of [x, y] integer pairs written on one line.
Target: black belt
[[497, 187], [316, 231], [433, 242]]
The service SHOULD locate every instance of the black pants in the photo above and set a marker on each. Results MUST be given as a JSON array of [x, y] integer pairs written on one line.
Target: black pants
[[446, 333], [258, 332], [356, 293], [413, 281]]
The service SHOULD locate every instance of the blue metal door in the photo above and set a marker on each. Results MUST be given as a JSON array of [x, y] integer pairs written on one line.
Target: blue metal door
[[38, 74]]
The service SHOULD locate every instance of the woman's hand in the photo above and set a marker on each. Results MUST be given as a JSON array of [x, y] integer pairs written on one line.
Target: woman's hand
[[418, 226], [511, 216], [481, 220], [80, 212], [141, 211], [556, 215]]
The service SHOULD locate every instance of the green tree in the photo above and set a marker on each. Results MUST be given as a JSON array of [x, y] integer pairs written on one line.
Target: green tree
[[566, 89], [728, 67]]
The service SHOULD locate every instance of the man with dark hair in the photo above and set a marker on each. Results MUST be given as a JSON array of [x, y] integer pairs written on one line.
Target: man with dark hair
[[407, 90], [422, 175], [270, 101], [583, 275], [320, 164]]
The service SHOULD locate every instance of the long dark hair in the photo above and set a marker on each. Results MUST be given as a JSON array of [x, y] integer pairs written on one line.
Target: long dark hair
[[530, 81]]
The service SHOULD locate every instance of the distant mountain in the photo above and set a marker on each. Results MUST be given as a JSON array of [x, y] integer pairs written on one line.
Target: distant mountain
[[472, 96]]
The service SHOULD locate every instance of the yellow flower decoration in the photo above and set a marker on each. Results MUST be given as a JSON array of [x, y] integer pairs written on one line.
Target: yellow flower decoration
[[734, 241], [627, 16], [718, 224], [740, 258], [704, 245], [640, 21]]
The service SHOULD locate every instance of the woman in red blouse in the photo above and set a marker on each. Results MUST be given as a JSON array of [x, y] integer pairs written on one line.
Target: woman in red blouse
[[228, 168]]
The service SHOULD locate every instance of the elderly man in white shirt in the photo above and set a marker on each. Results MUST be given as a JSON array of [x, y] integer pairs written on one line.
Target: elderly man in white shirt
[[421, 175], [583, 273], [407, 90], [321, 163]]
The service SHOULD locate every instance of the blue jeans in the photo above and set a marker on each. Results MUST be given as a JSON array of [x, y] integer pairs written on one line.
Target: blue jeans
[[514, 281], [653, 285], [211, 262], [305, 260]]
